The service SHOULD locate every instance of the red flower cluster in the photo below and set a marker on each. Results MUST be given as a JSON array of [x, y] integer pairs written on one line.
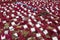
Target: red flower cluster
[[31, 20]]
